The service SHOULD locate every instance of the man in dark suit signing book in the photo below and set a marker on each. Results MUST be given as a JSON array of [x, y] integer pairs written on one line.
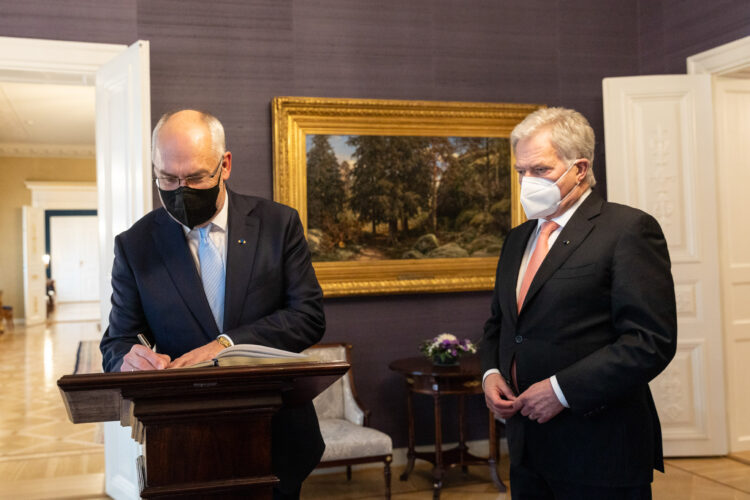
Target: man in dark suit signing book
[[582, 318], [213, 268]]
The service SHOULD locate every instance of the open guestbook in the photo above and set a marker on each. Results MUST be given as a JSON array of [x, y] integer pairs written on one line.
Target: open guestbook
[[251, 354]]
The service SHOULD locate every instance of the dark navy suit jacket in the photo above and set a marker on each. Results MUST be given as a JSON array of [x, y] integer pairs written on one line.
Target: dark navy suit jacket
[[272, 298], [600, 314]]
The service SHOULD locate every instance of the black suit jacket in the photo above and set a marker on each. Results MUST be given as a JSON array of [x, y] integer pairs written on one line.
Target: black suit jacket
[[272, 298], [600, 314]]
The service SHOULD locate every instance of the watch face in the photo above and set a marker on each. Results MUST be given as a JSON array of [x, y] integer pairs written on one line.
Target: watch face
[[223, 341]]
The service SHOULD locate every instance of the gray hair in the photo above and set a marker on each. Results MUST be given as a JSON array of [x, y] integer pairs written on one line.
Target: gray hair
[[215, 128], [569, 132]]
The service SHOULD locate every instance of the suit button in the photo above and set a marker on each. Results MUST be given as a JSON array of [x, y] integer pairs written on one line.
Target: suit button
[[519, 339]]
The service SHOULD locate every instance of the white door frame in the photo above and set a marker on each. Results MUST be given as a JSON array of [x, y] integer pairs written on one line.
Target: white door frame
[[721, 60], [53, 61], [31, 60]]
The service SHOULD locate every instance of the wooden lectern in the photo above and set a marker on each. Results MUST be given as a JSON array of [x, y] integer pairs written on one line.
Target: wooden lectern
[[206, 432]]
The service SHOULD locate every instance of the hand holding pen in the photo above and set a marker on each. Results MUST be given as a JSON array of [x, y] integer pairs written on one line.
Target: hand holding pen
[[144, 342], [143, 356]]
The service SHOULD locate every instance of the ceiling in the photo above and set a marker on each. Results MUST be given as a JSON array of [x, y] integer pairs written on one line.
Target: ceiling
[[47, 120]]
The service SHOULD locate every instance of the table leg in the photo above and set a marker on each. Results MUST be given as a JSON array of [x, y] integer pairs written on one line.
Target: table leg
[[462, 448], [410, 452], [438, 470], [494, 458]]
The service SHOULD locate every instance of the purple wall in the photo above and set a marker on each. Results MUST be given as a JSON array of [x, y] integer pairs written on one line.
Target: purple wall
[[233, 57], [100, 21], [672, 30]]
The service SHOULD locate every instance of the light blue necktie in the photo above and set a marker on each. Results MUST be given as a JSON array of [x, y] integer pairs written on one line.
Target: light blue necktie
[[212, 274]]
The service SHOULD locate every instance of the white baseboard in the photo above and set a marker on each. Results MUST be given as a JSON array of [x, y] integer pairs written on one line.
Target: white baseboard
[[480, 448]]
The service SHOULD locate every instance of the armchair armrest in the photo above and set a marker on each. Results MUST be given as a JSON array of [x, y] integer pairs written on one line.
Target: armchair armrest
[[353, 411]]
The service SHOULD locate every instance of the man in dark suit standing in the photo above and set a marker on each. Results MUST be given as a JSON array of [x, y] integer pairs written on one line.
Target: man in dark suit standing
[[213, 268], [582, 318]]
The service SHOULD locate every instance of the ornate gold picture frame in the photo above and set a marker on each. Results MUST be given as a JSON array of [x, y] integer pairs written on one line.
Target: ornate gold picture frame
[[296, 118]]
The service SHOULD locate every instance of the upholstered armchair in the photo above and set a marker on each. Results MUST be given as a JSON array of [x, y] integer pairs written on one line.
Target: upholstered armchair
[[343, 421]]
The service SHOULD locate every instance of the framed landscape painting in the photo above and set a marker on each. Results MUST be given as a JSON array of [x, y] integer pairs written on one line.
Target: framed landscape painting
[[399, 196]]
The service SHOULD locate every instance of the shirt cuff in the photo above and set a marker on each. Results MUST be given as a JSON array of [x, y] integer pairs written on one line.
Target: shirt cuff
[[489, 372], [558, 391]]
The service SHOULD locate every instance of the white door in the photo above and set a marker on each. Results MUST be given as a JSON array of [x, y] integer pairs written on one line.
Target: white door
[[34, 274], [123, 152], [123, 165], [74, 257], [660, 158], [732, 114]]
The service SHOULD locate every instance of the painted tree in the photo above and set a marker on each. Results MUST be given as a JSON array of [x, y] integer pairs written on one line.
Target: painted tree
[[325, 187], [391, 179], [478, 181]]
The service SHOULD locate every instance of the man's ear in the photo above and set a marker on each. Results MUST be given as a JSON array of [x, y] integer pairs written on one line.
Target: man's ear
[[582, 167], [226, 170]]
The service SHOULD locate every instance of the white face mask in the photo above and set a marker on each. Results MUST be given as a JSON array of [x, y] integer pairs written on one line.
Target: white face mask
[[541, 197]]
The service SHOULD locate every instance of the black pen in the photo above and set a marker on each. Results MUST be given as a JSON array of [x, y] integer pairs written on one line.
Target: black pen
[[144, 341]]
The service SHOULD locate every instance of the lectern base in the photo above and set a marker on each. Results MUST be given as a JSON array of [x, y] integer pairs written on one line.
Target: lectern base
[[255, 487], [206, 432]]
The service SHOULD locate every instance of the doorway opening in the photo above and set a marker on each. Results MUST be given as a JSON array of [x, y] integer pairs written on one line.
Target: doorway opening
[[71, 248], [116, 76]]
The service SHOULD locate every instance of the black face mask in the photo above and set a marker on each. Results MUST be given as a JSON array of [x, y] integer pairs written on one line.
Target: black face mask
[[189, 206]]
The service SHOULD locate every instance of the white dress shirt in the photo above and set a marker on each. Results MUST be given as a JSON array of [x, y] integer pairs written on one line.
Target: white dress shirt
[[561, 220]]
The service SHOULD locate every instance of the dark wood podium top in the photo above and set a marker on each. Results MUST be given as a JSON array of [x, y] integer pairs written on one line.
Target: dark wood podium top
[[100, 397]]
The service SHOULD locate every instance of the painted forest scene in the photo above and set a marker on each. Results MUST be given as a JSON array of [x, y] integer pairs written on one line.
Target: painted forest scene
[[397, 197]]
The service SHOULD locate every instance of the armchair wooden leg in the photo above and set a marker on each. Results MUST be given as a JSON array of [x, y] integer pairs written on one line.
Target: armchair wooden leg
[[348, 472], [387, 474]]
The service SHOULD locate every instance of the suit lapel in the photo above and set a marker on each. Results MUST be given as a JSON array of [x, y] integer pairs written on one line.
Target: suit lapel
[[170, 242], [572, 235], [242, 245], [510, 274]]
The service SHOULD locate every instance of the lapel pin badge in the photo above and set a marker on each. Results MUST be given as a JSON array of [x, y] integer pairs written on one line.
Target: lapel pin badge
[[241, 242], [566, 242]]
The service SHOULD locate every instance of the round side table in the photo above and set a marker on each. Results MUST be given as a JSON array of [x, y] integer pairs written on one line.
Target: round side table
[[465, 378]]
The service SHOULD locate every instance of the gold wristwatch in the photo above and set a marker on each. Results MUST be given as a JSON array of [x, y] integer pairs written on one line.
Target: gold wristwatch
[[224, 341]]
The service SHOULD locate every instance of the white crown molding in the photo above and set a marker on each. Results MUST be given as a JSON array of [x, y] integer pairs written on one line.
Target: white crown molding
[[721, 60], [22, 150], [53, 61], [60, 186], [63, 195]]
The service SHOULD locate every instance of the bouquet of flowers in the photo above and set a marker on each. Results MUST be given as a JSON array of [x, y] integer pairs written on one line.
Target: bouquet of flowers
[[445, 349]]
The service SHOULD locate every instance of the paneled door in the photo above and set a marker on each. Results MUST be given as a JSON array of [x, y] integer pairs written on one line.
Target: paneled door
[[74, 257], [660, 158], [732, 114], [34, 275]]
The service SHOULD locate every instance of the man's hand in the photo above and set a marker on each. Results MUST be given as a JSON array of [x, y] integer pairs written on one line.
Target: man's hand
[[539, 402], [142, 358], [203, 353], [499, 397]]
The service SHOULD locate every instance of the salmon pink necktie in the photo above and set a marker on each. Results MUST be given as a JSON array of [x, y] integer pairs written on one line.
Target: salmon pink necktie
[[540, 251]]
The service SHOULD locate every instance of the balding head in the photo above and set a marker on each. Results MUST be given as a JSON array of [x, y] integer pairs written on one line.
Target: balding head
[[187, 135], [189, 151]]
